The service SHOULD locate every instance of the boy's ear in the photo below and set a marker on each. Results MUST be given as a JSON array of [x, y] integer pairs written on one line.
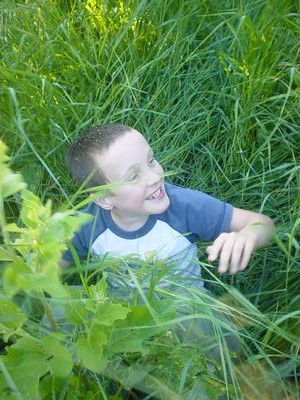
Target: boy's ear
[[104, 202]]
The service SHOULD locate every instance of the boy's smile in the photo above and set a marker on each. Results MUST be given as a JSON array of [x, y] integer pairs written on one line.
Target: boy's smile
[[158, 194], [130, 160]]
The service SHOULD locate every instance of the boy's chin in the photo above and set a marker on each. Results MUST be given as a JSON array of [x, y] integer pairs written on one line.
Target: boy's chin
[[162, 207]]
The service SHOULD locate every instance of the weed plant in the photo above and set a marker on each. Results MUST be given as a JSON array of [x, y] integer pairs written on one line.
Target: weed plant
[[215, 86]]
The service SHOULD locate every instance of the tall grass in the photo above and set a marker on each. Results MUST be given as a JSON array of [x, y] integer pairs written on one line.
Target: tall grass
[[214, 85]]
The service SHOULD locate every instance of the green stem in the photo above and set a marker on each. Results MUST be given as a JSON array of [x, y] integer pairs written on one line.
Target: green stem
[[10, 383], [48, 312], [6, 237]]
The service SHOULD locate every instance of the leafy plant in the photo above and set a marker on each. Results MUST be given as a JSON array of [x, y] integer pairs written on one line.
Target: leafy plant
[[215, 87], [81, 328]]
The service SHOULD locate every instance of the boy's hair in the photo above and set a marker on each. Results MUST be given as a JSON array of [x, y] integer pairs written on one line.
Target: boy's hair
[[83, 153]]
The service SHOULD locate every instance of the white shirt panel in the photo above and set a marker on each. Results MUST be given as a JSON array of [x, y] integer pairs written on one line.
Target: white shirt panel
[[162, 238]]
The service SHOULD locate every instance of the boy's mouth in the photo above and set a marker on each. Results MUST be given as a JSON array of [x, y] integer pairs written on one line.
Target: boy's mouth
[[157, 194]]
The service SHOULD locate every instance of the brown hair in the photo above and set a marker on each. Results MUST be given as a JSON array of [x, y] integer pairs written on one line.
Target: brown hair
[[81, 154]]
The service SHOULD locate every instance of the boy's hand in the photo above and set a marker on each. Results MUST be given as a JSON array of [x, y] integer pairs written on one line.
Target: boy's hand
[[249, 231], [233, 250]]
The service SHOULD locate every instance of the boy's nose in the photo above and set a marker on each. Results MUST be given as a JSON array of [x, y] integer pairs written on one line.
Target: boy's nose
[[154, 177]]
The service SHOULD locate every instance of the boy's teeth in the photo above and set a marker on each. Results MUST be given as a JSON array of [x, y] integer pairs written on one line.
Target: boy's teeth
[[154, 195]]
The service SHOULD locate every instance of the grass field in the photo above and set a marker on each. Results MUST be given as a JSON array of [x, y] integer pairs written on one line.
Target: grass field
[[215, 86]]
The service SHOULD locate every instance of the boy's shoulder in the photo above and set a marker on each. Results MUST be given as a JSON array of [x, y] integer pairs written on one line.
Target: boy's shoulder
[[181, 195], [197, 212], [178, 192], [191, 201]]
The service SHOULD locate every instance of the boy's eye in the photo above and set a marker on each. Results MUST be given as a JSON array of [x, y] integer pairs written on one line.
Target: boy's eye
[[152, 161], [132, 177]]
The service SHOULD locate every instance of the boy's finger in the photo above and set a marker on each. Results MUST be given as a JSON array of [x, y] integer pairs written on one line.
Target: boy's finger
[[248, 250], [226, 252], [237, 254], [211, 253], [214, 250]]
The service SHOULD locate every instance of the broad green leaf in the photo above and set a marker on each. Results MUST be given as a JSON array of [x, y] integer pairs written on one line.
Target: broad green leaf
[[41, 272], [78, 387], [90, 350], [14, 228], [18, 277], [130, 335], [105, 313], [63, 224], [98, 292], [6, 255], [10, 182], [11, 318], [108, 313], [5, 391], [44, 236], [33, 212], [96, 336], [75, 307], [60, 225], [60, 362], [49, 283], [15, 277], [128, 341], [129, 375], [40, 243], [26, 363]]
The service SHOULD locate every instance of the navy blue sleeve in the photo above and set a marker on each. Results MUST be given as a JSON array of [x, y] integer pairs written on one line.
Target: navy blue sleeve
[[199, 213]]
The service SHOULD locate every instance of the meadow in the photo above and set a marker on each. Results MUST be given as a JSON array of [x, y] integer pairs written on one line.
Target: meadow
[[215, 87]]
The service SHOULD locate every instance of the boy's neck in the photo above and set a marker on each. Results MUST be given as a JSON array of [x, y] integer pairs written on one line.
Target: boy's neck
[[129, 223]]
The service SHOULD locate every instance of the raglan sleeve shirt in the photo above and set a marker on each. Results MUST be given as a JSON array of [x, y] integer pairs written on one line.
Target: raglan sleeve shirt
[[201, 215], [192, 214]]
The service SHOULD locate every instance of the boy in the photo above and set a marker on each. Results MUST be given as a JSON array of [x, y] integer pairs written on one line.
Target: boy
[[147, 217], [158, 223]]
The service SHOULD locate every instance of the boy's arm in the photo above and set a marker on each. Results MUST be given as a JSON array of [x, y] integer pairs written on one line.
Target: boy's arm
[[248, 232]]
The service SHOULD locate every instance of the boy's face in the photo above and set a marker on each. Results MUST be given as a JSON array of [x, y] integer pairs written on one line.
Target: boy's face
[[130, 159]]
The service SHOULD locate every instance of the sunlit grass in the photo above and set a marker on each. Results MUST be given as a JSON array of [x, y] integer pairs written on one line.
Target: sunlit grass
[[215, 86]]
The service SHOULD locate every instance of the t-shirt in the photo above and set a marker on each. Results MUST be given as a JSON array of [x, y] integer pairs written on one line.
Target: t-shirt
[[166, 239]]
